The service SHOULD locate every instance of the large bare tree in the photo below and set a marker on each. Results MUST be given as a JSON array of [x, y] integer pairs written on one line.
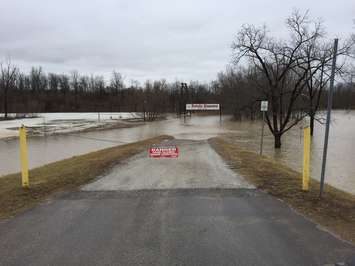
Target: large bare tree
[[281, 65]]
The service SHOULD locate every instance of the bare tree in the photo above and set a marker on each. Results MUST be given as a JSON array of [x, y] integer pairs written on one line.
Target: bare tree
[[8, 78], [53, 82], [281, 64], [117, 86], [318, 58], [75, 85], [38, 79]]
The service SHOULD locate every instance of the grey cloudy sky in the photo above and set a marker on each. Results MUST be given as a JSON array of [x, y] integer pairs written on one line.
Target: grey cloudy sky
[[149, 39]]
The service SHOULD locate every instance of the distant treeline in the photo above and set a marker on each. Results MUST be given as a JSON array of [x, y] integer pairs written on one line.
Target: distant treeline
[[234, 89], [41, 92]]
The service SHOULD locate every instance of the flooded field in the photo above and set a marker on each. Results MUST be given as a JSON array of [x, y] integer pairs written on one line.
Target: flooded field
[[341, 156], [340, 171]]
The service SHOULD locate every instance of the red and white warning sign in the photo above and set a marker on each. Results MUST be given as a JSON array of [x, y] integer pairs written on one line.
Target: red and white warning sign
[[164, 151]]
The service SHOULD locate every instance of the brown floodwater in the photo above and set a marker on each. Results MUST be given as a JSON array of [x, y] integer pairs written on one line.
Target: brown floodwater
[[340, 169], [341, 153]]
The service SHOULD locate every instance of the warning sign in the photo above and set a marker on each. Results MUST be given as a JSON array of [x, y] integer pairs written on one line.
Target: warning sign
[[163, 151]]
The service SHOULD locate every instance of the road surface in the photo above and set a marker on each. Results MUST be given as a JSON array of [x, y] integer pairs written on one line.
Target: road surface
[[187, 211]]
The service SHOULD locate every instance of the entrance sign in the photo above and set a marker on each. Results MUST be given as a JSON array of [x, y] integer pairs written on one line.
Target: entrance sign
[[202, 106], [264, 106], [164, 151]]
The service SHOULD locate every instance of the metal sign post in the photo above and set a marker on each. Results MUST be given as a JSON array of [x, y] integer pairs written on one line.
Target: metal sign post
[[263, 109], [329, 110], [306, 157]]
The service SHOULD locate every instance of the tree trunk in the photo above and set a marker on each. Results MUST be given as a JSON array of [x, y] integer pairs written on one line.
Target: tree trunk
[[5, 102], [311, 123], [277, 144]]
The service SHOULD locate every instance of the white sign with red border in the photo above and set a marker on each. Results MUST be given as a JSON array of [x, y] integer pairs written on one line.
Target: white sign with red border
[[202, 106]]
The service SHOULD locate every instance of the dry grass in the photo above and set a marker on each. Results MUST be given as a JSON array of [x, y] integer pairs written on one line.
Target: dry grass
[[336, 211], [63, 175]]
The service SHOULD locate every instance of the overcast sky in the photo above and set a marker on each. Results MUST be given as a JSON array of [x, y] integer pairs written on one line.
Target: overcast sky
[[148, 39]]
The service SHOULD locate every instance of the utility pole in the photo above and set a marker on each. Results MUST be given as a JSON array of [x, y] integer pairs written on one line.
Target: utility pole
[[329, 110], [144, 110], [180, 99], [183, 92], [263, 109], [262, 134]]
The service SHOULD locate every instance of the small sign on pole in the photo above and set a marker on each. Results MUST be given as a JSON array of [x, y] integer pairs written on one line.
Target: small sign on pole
[[264, 106]]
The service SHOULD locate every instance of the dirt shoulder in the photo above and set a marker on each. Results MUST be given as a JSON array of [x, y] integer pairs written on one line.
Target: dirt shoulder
[[63, 175], [335, 212]]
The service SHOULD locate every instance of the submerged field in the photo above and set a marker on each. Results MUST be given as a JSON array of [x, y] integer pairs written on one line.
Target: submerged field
[[58, 123]]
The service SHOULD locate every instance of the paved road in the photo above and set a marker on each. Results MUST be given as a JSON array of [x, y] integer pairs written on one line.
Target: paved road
[[118, 225]]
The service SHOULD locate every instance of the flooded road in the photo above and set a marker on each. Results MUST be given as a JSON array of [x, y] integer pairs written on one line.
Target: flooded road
[[341, 156]]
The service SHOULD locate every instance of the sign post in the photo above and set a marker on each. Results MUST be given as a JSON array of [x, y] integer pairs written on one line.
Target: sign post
[[263, 109]]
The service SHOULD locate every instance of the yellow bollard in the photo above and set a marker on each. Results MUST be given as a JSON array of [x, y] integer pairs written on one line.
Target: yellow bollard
[[306, 157], [24, 157]]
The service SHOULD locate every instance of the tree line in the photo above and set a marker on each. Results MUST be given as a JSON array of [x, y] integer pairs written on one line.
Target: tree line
[[38, 91]]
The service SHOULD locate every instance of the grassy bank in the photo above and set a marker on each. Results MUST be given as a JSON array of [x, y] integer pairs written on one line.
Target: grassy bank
[[336, 211], [67, 174]]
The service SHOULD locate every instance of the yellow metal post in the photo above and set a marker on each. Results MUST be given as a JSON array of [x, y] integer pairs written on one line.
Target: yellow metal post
[[306, 157], [24, 157]]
